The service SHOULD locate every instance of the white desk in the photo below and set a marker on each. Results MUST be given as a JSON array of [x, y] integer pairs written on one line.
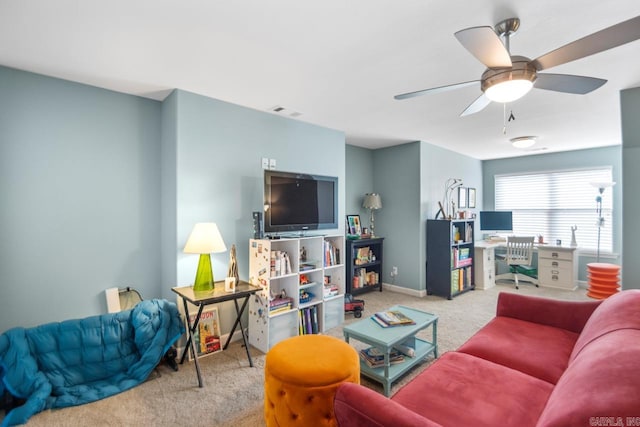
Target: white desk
[[557, 265]]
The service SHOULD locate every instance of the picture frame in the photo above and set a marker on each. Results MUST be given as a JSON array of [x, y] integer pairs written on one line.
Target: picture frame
[[471, 198], [462, 197], [353, 225]]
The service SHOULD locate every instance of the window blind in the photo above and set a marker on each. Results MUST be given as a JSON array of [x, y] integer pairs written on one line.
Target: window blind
[[550, 203]]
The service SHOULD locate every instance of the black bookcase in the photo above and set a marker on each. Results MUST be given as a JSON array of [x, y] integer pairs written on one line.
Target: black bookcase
[[364, 265], [450, 245]]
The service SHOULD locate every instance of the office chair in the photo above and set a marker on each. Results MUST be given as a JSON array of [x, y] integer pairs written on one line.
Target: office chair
[[519, 254]]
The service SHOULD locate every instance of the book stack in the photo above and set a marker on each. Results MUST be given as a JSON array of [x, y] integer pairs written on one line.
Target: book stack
[[374, 358], [306, 266], [277, 305], [392, 318], [461, 257], [308, 320], [330, 290]]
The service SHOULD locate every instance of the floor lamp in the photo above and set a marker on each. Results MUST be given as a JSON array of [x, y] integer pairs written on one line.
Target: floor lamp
[[601, 186]]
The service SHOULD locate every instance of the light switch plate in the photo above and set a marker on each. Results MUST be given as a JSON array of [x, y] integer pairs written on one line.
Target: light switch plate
[[265, 163]]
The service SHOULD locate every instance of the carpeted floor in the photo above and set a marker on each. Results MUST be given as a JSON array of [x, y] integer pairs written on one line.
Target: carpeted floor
[[233, 391]]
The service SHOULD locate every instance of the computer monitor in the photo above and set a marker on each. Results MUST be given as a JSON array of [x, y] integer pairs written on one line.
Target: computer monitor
[[496, 221]]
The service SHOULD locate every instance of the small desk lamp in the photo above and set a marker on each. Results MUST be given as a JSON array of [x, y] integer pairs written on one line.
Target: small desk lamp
[[601, 186], [204, 239], [372, 202]]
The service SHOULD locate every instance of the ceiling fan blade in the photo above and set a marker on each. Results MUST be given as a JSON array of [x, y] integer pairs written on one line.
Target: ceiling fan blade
[[436, 89], [477, 105], [611, 37], [567, 83], [484, 44]]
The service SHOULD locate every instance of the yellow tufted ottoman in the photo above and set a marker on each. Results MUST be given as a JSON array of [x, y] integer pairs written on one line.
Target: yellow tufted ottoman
[[301, 375]]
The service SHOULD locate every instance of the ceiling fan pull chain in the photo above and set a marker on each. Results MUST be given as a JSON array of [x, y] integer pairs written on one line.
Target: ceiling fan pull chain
[[504, 119]]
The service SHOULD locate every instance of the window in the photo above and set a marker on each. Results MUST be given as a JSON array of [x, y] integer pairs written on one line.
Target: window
[[550, 203]]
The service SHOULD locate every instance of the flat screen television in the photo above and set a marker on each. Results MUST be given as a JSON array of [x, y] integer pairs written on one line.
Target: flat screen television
[[496, 221], [299, 202]]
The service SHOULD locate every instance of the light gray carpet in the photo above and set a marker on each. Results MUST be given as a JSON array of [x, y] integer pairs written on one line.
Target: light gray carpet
[[233, 391]]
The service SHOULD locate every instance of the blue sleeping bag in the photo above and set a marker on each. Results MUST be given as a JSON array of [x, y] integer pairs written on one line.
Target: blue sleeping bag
[[79, 361]]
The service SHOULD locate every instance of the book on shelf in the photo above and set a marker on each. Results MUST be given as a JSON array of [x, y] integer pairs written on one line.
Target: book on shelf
[[306, 266], [280, 301], [455, 279], [362, 255], [280, 309], [308, 321], [331, 254], [314, 319], [393, 318]]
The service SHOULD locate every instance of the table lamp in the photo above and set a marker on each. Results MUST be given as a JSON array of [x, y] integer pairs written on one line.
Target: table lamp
[[372, 202], [204, 239]]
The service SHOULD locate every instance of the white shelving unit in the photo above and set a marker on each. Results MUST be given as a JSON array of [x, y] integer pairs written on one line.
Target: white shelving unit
[[288, 266]]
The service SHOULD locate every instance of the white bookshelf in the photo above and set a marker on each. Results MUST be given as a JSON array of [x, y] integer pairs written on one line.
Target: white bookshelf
[[274, 274]]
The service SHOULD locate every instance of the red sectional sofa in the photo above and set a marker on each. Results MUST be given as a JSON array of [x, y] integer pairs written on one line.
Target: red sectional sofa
[[539, 362]]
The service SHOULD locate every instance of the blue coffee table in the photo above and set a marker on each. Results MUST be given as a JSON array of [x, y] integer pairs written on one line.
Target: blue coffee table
[[370, 332]]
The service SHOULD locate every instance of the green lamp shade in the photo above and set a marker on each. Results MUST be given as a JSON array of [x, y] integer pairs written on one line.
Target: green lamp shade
[[204, 275]]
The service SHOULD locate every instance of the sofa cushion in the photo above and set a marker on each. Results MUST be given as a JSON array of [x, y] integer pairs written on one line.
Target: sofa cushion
[[601, 382], [534, 349], [461, 389], [619, 311]]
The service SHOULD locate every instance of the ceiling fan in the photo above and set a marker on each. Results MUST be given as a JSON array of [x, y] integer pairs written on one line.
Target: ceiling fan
[[509, 77]]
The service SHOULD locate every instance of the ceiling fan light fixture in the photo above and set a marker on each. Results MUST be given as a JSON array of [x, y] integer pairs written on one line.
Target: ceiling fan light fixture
[[509, 84], [523, 141], [508, 91]]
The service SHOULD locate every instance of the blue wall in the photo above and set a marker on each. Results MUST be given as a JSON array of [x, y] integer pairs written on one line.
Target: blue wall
[[630, 109], [79, 197], [608, 156], [101, 189], [218, 152], [410, 179], [359, 172]]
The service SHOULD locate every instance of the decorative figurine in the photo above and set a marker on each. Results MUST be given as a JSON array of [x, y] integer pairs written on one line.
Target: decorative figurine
[[233, 265], [573, 236]]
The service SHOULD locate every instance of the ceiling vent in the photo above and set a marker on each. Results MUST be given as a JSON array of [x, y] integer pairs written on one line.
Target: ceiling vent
[[284, 111]]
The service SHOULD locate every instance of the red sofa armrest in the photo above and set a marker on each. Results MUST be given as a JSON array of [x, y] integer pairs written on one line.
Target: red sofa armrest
[[358, 406], [569, 315]]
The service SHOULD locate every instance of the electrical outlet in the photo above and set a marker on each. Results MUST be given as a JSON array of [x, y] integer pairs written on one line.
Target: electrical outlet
[[394, 271]]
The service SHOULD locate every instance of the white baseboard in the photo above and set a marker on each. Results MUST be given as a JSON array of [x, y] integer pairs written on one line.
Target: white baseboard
[[403, 290]]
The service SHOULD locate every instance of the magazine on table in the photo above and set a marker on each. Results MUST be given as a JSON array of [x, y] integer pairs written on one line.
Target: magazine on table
[[392, 318]]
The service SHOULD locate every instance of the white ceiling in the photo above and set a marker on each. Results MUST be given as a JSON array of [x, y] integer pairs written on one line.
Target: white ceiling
[[338, 62]]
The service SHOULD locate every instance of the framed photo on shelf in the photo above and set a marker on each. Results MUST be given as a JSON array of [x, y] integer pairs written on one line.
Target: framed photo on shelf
[[353, 225], [207, 335], [462, 197], [472, 198]]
